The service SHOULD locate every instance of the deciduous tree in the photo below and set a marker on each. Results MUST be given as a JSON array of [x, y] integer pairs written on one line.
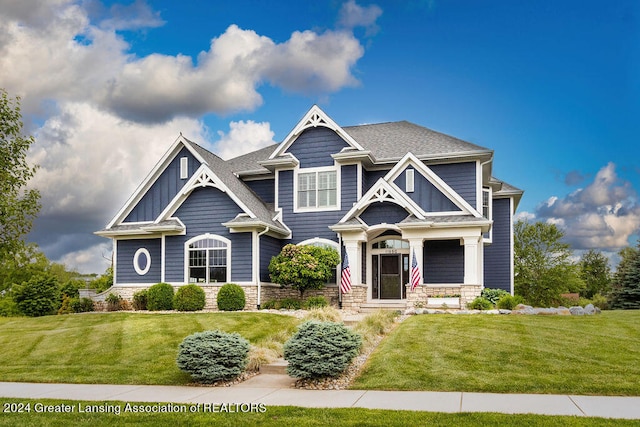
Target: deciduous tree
[[596, 273]]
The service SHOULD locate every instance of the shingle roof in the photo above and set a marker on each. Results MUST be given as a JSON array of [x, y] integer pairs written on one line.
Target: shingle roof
[[392, 140], [225, 173]]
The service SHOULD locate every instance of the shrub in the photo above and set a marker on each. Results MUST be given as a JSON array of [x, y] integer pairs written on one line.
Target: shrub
[[140, 300], [600, 301], [70, 288], [290, 304], [39, 296], [230, 297], [315, 302], [8, 307], [113, 302], [212, 356], [160, 297], [270, 305], [189, 298], [509, 302], [493, 295], [65, 308], [321, 349], [480, 303], [81, 305]]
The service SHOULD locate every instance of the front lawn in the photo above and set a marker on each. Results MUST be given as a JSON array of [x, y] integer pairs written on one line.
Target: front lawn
[[116, 348], [510, 354], [287, 416]]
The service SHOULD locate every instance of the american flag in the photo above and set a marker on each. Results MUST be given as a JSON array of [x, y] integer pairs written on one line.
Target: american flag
[[415, 272], [345, 279]]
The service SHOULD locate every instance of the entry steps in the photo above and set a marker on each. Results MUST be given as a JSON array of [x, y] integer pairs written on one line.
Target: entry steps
[[370, 307]]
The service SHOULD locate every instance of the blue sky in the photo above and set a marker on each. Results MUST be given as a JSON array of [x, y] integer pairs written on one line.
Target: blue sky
[[552, 86]]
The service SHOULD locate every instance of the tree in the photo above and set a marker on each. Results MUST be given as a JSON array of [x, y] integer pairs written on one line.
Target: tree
[[18, 205], [626, 282], [303, 267], [542, 264], [596, 273]]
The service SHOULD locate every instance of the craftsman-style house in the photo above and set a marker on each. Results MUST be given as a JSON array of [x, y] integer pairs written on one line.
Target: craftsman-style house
[[380, 194]]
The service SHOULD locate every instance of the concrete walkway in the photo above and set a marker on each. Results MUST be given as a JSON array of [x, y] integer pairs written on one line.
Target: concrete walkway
[[275, 390]]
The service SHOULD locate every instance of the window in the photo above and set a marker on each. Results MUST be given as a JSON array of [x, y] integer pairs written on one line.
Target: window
[[318, 189], [142, 261], [409, 180], [184, 168], [208, 259], [486, 209]]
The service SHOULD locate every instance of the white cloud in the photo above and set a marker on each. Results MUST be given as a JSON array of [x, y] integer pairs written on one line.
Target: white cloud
[[94, 259], [603, 215], [353, 15], [524, 216], [244, 137]]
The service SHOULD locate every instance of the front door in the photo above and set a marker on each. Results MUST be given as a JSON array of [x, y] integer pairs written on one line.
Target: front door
[[390, 273]]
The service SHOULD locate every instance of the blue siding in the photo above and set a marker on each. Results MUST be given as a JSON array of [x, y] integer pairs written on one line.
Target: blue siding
[[443, 261], [371, 177], [425, 194], [264, 188], [497, 256], [126, 250], [163, 190], [269, 247], [461, 177], [349, 184], [383, 212], [314, 147], [307, 225], [204, 211]]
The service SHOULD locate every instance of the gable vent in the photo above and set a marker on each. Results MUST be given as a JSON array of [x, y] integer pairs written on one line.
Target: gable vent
[[409, 180]]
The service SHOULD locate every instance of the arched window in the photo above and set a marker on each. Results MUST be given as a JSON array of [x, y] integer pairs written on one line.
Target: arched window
[[208, 259]]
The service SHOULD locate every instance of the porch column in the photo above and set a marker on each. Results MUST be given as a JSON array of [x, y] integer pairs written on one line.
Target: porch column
[[416, 247], [472, 260]]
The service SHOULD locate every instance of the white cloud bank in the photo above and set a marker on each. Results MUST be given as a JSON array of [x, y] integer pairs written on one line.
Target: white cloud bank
[[103, 116]]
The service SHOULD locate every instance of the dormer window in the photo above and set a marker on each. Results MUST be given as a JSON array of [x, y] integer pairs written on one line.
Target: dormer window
[[317, 189]]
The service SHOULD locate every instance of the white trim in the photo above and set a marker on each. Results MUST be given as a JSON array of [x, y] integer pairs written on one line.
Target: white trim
[[313, 118], [512, 237], [314, 241], [203, 177], [184, 167], [276, 186], [383, 191], [136, 258], [114, 244], [297, 171], [201, 237], [163, 247], [479, 186], [150, 179], [489, 213], [359, 181], [424, 170]]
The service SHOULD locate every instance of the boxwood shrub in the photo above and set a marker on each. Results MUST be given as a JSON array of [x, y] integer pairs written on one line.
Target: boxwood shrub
[[321, 349], [160, 297], [212, 356], [189, 298], [231, 297]]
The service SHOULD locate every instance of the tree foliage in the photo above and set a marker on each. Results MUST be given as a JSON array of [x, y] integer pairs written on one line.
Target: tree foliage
[[39, 296], [18, 205], [542, 264], [596, 273], [303, 267], [626, 281]]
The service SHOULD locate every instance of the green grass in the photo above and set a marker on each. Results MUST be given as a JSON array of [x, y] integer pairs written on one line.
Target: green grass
[[510, 354], [285, 416], [116, 348]]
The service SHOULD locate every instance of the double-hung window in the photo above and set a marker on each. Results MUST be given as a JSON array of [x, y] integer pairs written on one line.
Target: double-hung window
[[486, 209], [317, 190]]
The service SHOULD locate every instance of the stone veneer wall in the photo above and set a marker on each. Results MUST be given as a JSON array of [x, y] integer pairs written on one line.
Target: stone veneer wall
[[352, 301], [467, 294]]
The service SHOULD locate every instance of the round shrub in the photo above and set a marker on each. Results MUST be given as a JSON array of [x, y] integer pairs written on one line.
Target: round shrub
[[140, 300], [509, 302], [37, 297], [480, 303], [189, 298], [212, 356], [321, 349], [160, 297], [230, 297]]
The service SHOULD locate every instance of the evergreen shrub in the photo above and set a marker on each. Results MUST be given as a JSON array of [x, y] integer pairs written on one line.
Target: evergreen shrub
[[160, 297], [230, 297], [480, 303], [189, 298], [321, 349], [81, 305], [212, 356], [140, 300]]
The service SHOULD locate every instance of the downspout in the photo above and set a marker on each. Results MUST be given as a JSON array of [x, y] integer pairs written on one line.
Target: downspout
[[263, 232]]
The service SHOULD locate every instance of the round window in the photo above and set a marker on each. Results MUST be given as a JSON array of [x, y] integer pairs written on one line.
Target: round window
[[142, 261]]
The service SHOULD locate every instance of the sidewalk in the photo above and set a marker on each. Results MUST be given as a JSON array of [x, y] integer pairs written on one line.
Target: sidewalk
[[274, 390]]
